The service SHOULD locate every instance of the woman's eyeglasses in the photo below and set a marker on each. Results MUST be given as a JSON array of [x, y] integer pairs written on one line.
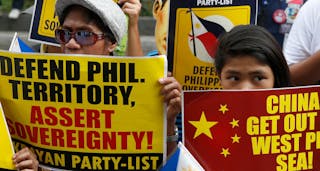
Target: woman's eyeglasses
[[82, 37]]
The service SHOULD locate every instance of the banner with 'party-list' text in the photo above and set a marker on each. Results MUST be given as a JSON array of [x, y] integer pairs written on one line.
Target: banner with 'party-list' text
[[79, 112]]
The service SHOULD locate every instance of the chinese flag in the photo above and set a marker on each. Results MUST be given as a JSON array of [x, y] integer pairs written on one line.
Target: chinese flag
[[254, 130]]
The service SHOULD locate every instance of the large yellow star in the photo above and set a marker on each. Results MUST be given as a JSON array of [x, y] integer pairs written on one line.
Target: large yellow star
[[225, 152], [223, 108], [203, 126], [235, 139], [234, 123]]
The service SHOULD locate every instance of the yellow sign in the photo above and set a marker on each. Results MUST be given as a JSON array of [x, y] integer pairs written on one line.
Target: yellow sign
[[196, 38], [6, 147], [44, 22], [86, 112], [48, 20]]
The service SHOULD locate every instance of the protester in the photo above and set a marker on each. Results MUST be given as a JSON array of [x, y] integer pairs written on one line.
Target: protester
[[268, 11], [249, 57], [277, 16], [25, 160], [161, 14], [95, 27], [132, 8], [303, 45], [271, 15], [133, 48]]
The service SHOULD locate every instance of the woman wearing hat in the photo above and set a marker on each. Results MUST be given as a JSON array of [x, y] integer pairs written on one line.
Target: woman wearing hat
[[90, 27], [96, 27], [133, 47]]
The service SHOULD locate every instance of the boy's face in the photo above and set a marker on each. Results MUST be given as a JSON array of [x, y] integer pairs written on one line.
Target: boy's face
[[161, 14], [246, 72]]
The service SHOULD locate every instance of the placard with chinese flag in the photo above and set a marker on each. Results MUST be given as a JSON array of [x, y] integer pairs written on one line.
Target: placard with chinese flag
[[253, 130]]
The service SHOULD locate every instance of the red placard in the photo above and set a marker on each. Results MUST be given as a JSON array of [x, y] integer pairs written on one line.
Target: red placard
[[253, 130]]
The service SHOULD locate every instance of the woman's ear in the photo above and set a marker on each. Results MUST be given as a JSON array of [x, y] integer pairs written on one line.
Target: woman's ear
[[110, 48], [156, 7]]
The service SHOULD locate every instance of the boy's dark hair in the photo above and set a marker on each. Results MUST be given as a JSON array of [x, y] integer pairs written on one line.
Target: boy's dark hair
[[255, 41], [90, 17]]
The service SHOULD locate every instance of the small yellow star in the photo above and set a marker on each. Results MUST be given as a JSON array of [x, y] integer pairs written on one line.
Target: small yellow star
[[235, 139], [234, 123], [223, 108], [225, 152], [203, 126]]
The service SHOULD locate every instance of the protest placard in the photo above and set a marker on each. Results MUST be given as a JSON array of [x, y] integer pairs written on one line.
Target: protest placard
[[44, 22], [81, 112], [194, 30], [253, 130], [6, 147]]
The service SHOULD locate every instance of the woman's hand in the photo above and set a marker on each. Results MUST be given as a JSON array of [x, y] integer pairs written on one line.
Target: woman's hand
[[25, 160], [171, 92], [132, 8]]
